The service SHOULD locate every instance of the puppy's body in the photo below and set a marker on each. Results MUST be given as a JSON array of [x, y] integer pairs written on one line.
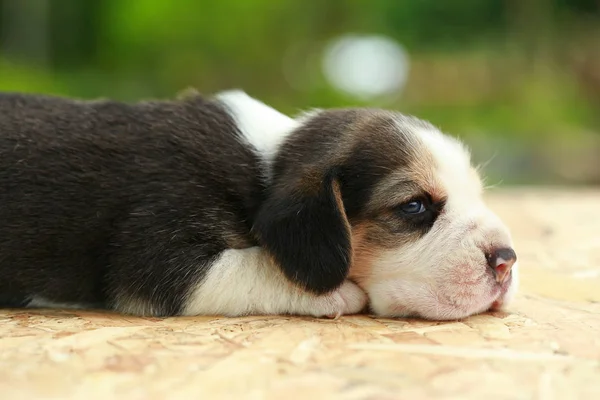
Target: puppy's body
[[124, 205], [224, 206]]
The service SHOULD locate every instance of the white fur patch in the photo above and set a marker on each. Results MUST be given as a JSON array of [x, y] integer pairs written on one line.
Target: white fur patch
[[453, 164], [263, 127], [244, 282]]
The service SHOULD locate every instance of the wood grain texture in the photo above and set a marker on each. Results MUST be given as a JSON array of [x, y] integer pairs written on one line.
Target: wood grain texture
[[546, 346]]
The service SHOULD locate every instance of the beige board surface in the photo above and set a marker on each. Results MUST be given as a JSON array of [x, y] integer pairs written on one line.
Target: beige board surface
[[545, 346]]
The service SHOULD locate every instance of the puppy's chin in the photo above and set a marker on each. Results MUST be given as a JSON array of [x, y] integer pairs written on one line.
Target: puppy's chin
[[440, 300]]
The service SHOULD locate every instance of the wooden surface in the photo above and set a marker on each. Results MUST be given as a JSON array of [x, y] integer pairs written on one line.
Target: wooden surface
[[547, 346]]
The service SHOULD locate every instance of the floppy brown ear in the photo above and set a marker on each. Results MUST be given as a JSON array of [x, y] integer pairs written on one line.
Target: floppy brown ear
[[307, 233]]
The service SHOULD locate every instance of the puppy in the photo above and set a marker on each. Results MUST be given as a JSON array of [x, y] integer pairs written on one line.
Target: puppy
[[223, 205]]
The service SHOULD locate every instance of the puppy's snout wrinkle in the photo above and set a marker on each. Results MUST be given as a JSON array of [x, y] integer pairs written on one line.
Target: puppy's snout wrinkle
[[501, 261]]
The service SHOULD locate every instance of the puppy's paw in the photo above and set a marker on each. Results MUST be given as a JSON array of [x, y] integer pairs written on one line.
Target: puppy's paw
[[347, 299]]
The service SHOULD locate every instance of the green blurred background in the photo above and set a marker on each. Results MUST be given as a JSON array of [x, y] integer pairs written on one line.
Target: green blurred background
[[518, 80]]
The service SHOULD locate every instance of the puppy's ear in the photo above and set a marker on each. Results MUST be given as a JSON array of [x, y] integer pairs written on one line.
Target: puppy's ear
[[307, 233]]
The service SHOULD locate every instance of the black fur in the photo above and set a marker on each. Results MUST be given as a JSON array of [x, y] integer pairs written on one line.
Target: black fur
[[308, 235], [102, 202], [301, 223]]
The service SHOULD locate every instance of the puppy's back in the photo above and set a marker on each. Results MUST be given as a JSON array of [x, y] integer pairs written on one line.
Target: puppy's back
[[89, 189]]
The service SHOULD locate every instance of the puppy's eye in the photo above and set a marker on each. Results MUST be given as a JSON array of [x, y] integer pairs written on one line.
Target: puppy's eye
[[413, 207]]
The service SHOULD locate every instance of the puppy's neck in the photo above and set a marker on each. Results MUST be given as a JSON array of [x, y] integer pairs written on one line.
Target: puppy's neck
[[263, 127]]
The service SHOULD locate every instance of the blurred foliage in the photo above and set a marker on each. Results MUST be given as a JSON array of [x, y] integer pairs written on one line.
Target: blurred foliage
[[510, 69]]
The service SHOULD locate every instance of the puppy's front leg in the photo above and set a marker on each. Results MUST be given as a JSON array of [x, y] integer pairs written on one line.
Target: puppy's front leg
[[244, 282]]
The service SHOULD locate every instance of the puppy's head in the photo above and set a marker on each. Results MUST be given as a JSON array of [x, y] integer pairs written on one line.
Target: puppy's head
[[392, 203]]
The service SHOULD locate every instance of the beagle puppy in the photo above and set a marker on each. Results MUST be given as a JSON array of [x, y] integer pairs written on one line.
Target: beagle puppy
[[224, 206]]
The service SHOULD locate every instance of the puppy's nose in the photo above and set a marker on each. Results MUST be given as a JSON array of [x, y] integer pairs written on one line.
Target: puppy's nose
[[501, 261]]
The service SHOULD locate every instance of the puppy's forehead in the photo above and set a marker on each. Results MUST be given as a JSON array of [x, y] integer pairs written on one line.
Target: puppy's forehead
[[451, 171], [394, 156], [384, 138], [418, 158]]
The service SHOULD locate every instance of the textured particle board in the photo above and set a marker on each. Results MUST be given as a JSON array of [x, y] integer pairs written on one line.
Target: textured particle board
[[546, 346]]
